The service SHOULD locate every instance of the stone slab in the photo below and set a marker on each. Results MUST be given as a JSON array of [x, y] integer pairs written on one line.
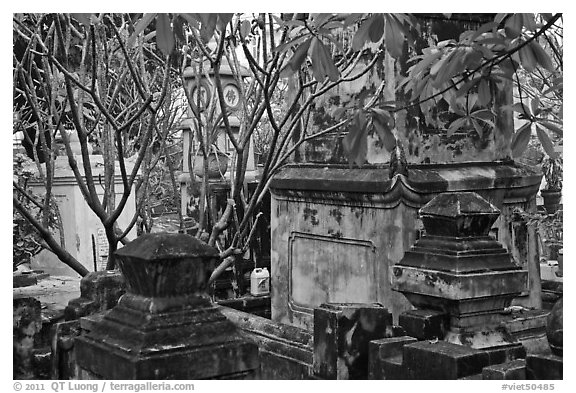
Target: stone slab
[[514, 370], [442, 360], [546, 366], [389, 350], [425, 324]]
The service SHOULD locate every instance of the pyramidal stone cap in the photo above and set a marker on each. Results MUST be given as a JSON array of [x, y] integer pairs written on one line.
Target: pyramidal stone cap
[[166, 265], [459, 214], [156, 246]]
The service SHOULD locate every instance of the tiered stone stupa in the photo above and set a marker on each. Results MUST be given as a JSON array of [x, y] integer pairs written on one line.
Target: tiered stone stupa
[[457, 268], [165, 326]]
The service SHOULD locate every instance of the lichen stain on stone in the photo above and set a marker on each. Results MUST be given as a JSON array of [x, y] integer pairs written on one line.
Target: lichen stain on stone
[[311, 214], [337, 214], [430, 280], [335, 234], [367, 323], [358, 212]]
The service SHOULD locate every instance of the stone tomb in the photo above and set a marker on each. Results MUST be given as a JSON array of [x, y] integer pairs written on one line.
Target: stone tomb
[[336, 231], [457, 268], [165, 326]]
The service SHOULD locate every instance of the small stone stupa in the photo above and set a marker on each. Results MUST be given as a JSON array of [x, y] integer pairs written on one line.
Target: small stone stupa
[[458, 269]]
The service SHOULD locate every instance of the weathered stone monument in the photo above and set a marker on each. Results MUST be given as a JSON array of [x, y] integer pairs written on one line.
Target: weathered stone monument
[[460, 279], [165, 326], [336, 231], [457, 268]]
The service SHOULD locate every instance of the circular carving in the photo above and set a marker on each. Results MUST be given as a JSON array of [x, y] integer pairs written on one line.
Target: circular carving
[[204, 91], [231, 96]]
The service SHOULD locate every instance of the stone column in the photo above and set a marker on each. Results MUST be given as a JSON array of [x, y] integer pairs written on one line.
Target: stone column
[[457, 268], [342, 332], [165, 326]]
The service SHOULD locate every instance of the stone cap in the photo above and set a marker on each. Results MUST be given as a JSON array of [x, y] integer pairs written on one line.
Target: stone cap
[[458, 214], [155, 246], [516, 180], [458, 204]]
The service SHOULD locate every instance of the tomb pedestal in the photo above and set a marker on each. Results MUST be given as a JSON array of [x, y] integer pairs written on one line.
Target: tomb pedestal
[[457, 268], [336, 230], [165, 327]]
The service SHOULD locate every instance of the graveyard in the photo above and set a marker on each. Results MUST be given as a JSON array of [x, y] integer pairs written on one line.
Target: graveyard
[[287, 196]]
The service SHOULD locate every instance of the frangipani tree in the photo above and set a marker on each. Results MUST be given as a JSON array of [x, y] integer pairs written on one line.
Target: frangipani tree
[[307, 56]]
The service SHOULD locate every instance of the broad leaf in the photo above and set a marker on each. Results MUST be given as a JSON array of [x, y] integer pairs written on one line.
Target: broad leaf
[[164, 34], [208, 26], [355, 143], [287, 45], [452, 66], [393, 39], [376, 28], [245, 29], [527, 58], [320, 19], [463, 90], [521, 139], [484, 93], [547, 144], [83, 18], [552, 127], [521, 108], [541, 56], [178, 27], [477, 127], [535, 106], [384, 134], [139, 28], [223, 20], [486, 27], [529, 22], [322, 62], [362, 35], [513, 26], [296, 60], [456, 125]]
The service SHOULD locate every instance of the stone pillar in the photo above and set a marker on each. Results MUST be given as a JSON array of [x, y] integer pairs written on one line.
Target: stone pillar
[[165, 326], [342, 332], [457, 268]]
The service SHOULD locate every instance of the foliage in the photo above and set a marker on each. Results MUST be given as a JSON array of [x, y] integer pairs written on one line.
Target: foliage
[[464, 74], [553, 172], [26, 242], [550, 227], [76, 71], [116, 72]]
